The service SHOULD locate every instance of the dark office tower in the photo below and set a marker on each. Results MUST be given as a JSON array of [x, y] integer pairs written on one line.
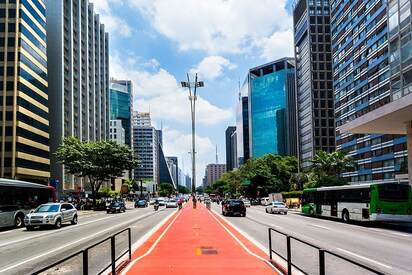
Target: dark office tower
[[242, 124], [24, 114], [316, 124], [361, 85], [272, 109], [230, 161], [78, 65]]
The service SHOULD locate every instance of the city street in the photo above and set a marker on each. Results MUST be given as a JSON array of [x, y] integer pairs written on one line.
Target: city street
[[22, 252], [385, 249]]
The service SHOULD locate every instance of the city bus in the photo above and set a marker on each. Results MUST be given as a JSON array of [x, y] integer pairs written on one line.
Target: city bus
[[17, 198], [361, 202]]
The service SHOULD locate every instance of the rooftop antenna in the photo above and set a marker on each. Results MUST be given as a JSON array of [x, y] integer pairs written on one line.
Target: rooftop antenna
[[217, 157]]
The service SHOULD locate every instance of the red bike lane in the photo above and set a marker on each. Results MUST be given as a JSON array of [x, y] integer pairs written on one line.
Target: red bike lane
[[196, 241]]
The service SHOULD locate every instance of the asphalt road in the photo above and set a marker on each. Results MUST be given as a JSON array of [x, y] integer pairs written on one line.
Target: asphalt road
[[387, 248], [23, 252]]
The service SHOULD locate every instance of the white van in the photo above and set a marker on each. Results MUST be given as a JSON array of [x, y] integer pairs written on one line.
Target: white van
[[265, 201]]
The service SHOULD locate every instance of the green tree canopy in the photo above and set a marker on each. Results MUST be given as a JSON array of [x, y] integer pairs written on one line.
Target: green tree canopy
[[166, 189], [97, 161], [183, 189]]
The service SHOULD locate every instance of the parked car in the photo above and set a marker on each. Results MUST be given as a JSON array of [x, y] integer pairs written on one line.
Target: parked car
[[277, 207], [152, 201], [171, 204], [116, 207], [162, 201], [141, 203], [233, 207], [51, 214], [246, 203]]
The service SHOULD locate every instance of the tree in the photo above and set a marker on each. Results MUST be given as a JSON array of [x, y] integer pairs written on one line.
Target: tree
[[166, 189], [331, 164], [97, 161], [297, 181], [199, 189], [183, 189]]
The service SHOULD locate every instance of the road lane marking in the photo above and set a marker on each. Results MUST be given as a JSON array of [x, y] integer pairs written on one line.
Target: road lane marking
[[132, 263], [320, 226], [243, 245], [364, 258], [71, 227], [72, 243]]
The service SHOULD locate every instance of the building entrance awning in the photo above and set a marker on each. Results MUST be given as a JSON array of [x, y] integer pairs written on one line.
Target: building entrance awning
[[388, 119]]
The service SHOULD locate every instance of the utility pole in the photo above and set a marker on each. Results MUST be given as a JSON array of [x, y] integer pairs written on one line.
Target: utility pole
[[217, 157], [192, 98]]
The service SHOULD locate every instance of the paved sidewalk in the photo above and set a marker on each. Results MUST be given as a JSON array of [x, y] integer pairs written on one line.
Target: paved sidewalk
[[196, 241]]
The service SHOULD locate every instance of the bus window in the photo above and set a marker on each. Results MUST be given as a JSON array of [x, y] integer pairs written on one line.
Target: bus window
[[393, 192]]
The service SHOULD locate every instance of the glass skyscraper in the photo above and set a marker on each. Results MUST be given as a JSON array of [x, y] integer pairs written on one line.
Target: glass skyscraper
[[121, 105], [271, 132], [24, 126]]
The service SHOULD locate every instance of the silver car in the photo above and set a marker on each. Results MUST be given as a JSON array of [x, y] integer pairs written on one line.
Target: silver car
[[51, 214], [277, 207]]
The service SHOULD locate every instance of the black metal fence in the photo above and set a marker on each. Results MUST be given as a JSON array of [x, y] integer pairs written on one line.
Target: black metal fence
[[85, 255], [321, 256]]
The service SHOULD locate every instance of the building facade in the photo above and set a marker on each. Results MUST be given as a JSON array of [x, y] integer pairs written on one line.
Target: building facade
[[121, 106], [315, 105], [362, 84], [272, 109], [116, 131], [173, 165], [230, 148], [25, 93], [213, 172], [141, 119], [78, 63], [146, 149]]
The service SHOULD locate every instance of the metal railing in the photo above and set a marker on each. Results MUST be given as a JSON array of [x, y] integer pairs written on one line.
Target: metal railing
[[85, 255], [321, 259]]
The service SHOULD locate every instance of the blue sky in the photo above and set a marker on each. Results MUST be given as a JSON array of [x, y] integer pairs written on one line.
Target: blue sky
[[156, 42]]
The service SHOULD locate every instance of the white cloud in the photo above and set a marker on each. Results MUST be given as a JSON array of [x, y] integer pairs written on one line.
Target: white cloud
[[216, 26], [159, 91], [212, 67], [179, 144], [113, 24], [278, 45]]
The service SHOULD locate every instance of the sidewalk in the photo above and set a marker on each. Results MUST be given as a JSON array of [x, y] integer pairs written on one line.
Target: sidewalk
[[196, 241]]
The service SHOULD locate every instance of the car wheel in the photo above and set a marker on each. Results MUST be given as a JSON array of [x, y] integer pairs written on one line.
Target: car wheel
[[29, 228], [108, 212], [244, 215], [345, 216], [266, 210], [285, 213], [74, 221], [58, 224], [19, 221]]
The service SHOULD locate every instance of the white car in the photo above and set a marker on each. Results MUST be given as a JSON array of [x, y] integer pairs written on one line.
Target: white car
[[171, 204], [51, 214], [277, 207], [246, 203]]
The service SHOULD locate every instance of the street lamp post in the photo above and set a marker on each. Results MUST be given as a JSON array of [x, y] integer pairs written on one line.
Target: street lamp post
[[192, 98]]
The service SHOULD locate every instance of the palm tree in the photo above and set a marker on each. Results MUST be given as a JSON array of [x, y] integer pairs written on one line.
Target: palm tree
[[331, 164]]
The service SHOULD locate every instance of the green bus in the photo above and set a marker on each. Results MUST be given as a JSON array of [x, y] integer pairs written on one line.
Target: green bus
[[361, 202]]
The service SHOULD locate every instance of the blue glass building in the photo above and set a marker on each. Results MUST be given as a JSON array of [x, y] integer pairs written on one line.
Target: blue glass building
[[272, 109], [121, 105]]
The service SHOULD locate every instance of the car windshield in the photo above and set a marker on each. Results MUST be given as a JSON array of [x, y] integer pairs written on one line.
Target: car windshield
[[47, 208], [115, 204], [172, 201], [236, 202], [278, 204]]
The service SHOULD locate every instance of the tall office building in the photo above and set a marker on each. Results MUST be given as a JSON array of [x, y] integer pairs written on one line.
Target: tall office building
[[24, 113], [315, 106], [188, 182], [230, 148], [361, 85], [146, 149], [387, 107], [78, 65], [121, 105], [141, 119], [174, 168], [213, 172], [272, 109], [242, 124], [117, 132]]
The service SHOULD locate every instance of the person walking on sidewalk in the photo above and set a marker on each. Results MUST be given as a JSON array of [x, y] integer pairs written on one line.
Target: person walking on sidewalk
[[194, 200]]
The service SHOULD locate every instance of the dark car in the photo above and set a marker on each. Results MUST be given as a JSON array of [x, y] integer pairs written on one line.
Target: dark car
[[255, 202], [116, 207], [141, 203], [233, 207]]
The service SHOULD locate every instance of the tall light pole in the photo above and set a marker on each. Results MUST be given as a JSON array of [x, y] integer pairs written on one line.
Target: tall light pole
[[192, 98]]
